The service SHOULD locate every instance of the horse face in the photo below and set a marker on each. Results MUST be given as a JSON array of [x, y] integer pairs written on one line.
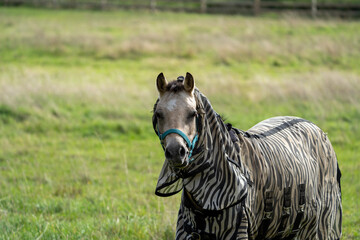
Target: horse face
[[176, 109]]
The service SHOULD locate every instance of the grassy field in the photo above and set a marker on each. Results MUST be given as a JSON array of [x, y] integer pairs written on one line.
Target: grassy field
[[78, 156]]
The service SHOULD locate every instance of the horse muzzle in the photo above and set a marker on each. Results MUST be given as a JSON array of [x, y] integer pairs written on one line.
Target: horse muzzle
[[176, 153]]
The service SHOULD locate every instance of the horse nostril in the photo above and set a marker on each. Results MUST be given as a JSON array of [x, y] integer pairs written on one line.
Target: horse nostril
[[168, 154], [182, 152], [175, 153]]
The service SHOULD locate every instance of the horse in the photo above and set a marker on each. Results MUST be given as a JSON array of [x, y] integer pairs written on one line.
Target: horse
[[278, 180]]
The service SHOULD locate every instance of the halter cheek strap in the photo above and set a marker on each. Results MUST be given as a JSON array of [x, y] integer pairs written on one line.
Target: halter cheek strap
[[191, 145]]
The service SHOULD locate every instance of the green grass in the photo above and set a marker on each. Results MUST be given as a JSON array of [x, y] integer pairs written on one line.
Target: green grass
[[78, 156]]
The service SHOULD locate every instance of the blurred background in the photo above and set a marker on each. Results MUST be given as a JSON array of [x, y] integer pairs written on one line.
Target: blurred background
[[342, 8], [78, 156]]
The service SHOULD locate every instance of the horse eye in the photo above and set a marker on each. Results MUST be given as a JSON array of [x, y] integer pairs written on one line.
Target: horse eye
[[192, 115], [159, 115]]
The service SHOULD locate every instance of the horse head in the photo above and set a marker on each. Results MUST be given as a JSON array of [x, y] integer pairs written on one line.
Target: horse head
[[175, 119]]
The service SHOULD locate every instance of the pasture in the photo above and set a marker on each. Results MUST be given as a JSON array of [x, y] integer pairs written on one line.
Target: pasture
[[78, 155]]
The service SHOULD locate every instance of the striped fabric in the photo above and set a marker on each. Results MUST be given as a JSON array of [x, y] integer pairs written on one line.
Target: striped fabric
[[278, 180]]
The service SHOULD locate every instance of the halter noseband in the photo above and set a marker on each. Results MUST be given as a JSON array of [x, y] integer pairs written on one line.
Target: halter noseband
[[191, 145]]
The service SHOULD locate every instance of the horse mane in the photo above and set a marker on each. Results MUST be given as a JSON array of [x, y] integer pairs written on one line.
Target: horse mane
[[175, 86]]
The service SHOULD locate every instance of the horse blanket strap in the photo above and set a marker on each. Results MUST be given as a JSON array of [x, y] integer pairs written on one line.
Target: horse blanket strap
[[199, 235], [285, 212], [200, 215], [267, 215], [300, 213], [190, 203], [301, 207]]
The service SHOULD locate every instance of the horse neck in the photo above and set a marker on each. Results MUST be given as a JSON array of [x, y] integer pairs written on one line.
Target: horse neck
[[221, 139], [225, 172]]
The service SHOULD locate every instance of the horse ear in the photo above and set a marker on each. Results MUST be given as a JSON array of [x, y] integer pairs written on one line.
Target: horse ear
[[189, 83], [161, 83]]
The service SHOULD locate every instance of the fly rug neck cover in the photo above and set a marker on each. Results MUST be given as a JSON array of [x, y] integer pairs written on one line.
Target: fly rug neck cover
[[278, 180]]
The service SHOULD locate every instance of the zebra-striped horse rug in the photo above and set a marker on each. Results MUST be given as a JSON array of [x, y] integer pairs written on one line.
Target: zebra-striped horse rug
[[278, 180]]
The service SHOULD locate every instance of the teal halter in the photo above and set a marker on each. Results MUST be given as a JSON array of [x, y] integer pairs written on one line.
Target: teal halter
[[191, 145]]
